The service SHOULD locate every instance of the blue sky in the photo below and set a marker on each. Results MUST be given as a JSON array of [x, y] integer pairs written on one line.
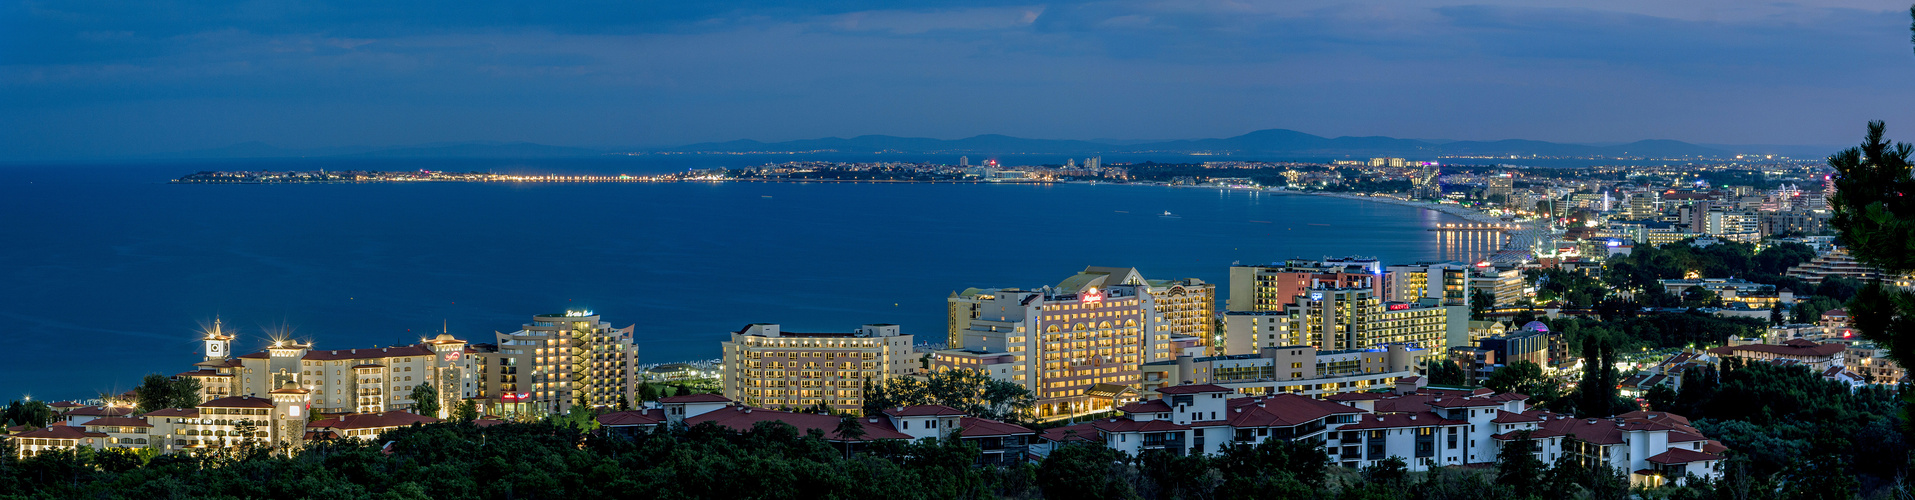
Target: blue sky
[[102, 78]]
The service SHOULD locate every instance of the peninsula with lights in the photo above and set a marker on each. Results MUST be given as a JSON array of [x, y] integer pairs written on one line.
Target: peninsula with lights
[[1596, 309]]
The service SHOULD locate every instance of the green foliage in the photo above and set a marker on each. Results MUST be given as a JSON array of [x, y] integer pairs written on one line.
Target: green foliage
[[1085, 472], [1524, 377], [160, 392], [467, 411], [1518, 468], [1446, 372], [425, 400], [1480, 302], [1776, 416], [33, 413], [970, 391]]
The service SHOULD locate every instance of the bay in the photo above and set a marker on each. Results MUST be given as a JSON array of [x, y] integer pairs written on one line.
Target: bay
[[107, 272]]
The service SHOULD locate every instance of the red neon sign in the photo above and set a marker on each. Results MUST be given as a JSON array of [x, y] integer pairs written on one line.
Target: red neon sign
[[1399, 307], [1091, 297]]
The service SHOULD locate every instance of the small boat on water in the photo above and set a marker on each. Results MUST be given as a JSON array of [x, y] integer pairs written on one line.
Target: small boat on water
[[1169, 215]]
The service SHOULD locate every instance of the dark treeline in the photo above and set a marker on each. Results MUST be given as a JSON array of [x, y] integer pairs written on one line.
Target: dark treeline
[[457, 460]]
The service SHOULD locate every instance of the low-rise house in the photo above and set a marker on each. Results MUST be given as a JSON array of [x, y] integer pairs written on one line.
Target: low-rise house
[[363, 425], [1424, 427], [55, 437]]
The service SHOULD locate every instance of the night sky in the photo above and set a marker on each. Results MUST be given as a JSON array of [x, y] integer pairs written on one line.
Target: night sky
[[106, 78]]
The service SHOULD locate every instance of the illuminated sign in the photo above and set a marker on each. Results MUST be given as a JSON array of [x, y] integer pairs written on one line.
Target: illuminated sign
[[1316, 295], [1399, 307], [1091, 296], [578, 314], [453, 356], [514, 398], [1483, 264]]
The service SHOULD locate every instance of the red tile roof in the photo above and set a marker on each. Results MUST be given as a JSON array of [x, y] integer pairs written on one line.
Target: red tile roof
[[238, 402], [1283, 410], [1078, 432], [394, 418], [632, 418], [97, 411], [1152, 406], [118, 422], [173, 412], [979, 427], [1194, 389], [1510, 417], [1399, 420], [1683, 456], [921, 411], [1797, 347], [742, 418], [58, 432], [695, 398]]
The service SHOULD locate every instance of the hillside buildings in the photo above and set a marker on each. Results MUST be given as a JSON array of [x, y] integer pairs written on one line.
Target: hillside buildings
[[767, 366], [1273, 287], [1426, 428], [367, 380]]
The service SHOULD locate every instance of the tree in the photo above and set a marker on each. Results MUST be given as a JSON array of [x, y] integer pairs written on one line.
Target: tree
[[1084, 472], [1479, 303], [425, 400], [1662, 398], [849, 429], [467, 411], [1517, 466], [31, 413], [1524, 377], [1596, 393], [154, 393], [1445, 372], [1390, 472], [186, 393], [1874, 207]]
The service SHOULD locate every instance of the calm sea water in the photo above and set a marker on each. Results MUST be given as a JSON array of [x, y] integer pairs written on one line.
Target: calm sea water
[[107, 272]]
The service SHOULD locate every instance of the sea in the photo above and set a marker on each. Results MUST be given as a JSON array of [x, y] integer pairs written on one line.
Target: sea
[[108, 272]]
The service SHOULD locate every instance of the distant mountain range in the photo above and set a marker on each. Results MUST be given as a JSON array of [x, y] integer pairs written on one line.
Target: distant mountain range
[[1273, 143]]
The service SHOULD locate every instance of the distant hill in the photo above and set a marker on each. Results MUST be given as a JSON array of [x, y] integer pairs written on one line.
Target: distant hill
[[437, 150], [1280, 142], [1270, 143]]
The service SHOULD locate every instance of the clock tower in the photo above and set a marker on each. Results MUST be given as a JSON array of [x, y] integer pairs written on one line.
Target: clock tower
[[219, 344]]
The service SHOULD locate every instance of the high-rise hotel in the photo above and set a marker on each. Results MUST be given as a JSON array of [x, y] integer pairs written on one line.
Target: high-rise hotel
[[560, 360], [769, 367], [548, 365], [1077, 346]]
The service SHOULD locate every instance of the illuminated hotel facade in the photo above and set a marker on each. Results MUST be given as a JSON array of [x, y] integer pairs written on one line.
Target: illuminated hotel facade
[[367, 380], [1273, 287], [1076, 350], [768, 367], [560, 360]]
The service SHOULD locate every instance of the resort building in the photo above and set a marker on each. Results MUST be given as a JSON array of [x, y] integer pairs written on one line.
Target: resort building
[[1347, 318], [1001, 443], [1447, 282], [1273, 287], [1299, 370], [1802, 352], [367, 380], [1734, 291], [766, 366], [559, 360], [1426, 428], [1181, 312], [1077, 351]]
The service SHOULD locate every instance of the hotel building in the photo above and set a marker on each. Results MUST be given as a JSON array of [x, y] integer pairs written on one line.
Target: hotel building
[[1273, 287], [338, 381], [1077, 351], [1181, 311], [1447, 282], [559, 360], [1294, 370], [766, 366]]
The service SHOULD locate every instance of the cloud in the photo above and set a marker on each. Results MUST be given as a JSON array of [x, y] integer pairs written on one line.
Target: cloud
[[146, 76]]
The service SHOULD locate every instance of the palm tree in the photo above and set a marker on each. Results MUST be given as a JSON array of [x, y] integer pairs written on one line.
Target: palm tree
[[849, 429]]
